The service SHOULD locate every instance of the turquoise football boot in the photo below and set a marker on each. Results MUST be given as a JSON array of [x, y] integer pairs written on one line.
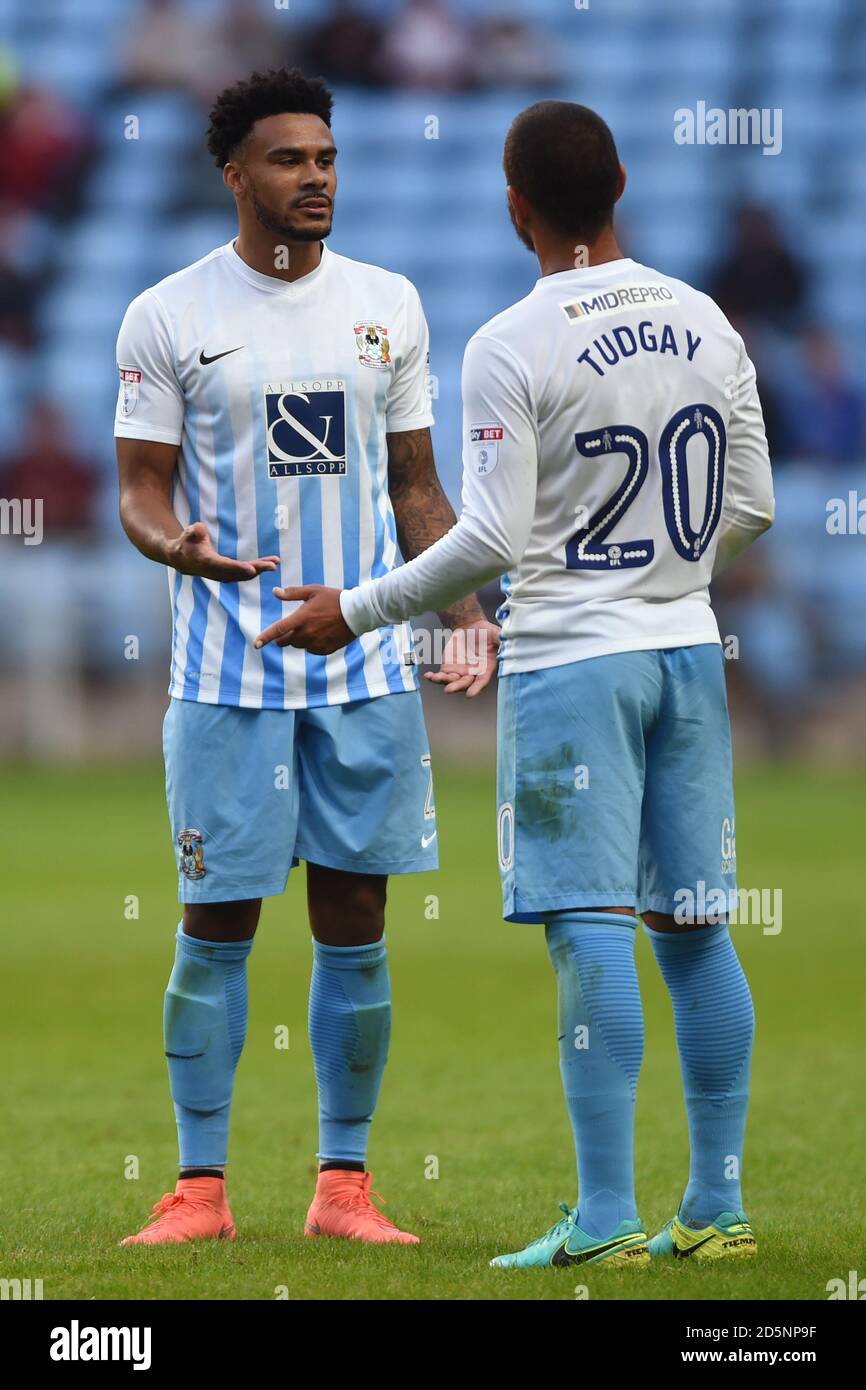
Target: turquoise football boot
[[566, 1244], [729, 1236]]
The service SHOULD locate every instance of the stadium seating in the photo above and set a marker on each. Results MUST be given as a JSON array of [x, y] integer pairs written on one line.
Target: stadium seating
[[435, 208]]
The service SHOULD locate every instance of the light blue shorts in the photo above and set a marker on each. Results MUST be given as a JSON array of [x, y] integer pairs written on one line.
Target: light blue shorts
[[615, 786], [250, 792]]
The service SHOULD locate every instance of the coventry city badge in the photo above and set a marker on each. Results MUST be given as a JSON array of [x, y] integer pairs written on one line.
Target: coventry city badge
[[374, 349], [191, 853]]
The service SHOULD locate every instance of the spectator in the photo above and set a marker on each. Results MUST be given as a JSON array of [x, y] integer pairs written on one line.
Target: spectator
[[759, 277], [165, 48], [347, 46], [762, 347], [44, 146], [427, 45], [46, 466], [243, 40], [26, 244], [825, 412], [510, 53]]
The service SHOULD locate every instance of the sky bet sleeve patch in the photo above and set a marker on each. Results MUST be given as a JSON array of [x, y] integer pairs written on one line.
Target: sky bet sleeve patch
[[484, 441]]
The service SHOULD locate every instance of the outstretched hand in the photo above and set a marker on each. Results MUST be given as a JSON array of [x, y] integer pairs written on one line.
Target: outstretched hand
[[193, 552], [318, 625]]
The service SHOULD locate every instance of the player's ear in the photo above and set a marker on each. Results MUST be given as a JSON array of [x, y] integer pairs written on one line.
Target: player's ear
[[234, 180], [621, 183], [518, 206]]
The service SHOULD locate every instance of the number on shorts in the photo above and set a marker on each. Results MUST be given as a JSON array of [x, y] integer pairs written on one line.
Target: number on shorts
[[429, 805], [505, 835]]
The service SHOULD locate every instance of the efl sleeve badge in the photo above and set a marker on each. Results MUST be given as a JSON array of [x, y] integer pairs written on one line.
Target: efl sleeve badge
[[484, 442], [130, 383]]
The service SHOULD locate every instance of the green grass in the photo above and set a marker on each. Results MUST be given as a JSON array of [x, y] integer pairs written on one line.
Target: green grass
[[473, 1077]]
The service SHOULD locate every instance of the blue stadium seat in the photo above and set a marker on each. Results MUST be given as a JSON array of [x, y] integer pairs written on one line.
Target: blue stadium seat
[[83, 305], [188, 241], [167, 122], [106, 244], [74, 68], [18, 378], [135, 180]]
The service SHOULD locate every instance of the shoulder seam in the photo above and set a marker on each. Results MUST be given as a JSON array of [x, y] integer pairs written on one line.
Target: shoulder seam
[[525, 374], [481, 336], [164, 315]]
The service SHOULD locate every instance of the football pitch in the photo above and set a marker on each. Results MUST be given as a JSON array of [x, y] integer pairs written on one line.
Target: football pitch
[[470, 1144]]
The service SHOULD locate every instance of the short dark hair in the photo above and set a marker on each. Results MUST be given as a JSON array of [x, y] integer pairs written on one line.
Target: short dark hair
[[237, 108], [563, 158]]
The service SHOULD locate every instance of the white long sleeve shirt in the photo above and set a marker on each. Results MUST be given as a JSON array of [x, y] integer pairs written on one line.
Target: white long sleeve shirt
[[614, 459]]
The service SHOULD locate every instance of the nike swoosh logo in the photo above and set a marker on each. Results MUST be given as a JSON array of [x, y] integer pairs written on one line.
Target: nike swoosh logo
[[217, 355], [563, 1256], [684, 1254], [427, 840]]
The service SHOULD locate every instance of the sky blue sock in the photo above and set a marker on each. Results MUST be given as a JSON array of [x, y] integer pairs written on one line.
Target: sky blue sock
[[715, 1024], [600, 1049], [205, 1022], [350, 1028]]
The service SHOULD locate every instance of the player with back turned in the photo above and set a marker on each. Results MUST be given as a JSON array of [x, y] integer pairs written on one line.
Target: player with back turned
[[615, 459], [274, 415]]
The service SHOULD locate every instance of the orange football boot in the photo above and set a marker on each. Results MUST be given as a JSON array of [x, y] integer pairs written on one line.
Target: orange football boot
[[196, 1210], [342, 1207]]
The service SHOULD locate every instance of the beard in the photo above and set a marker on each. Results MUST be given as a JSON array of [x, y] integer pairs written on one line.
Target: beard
[[522, 235], [283, 226]]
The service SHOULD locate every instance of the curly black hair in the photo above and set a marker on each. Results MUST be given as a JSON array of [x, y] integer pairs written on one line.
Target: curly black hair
[[563, 158], [236, 110]]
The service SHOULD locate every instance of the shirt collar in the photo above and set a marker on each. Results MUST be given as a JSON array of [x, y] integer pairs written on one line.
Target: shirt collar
[[273, 284]]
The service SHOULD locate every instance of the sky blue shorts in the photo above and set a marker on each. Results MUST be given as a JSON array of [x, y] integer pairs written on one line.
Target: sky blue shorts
[[615, 785], [250, 792]]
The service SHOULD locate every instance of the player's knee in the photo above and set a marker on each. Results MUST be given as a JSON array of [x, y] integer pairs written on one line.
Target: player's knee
[[664, 922], [346, 909], [235, 921]]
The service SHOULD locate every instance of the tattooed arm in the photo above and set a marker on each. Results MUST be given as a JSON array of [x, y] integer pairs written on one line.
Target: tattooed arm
[[422, 511]]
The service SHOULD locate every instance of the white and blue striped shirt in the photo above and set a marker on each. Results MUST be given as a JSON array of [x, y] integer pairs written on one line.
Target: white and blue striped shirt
[[279, 395]]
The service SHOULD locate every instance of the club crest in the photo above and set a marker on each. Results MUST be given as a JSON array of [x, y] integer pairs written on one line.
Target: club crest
[[374, 349], [191, 853]]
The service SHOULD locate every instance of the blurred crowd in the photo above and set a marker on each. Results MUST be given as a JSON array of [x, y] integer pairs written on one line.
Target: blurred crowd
[[50, 147], [427, 43]]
